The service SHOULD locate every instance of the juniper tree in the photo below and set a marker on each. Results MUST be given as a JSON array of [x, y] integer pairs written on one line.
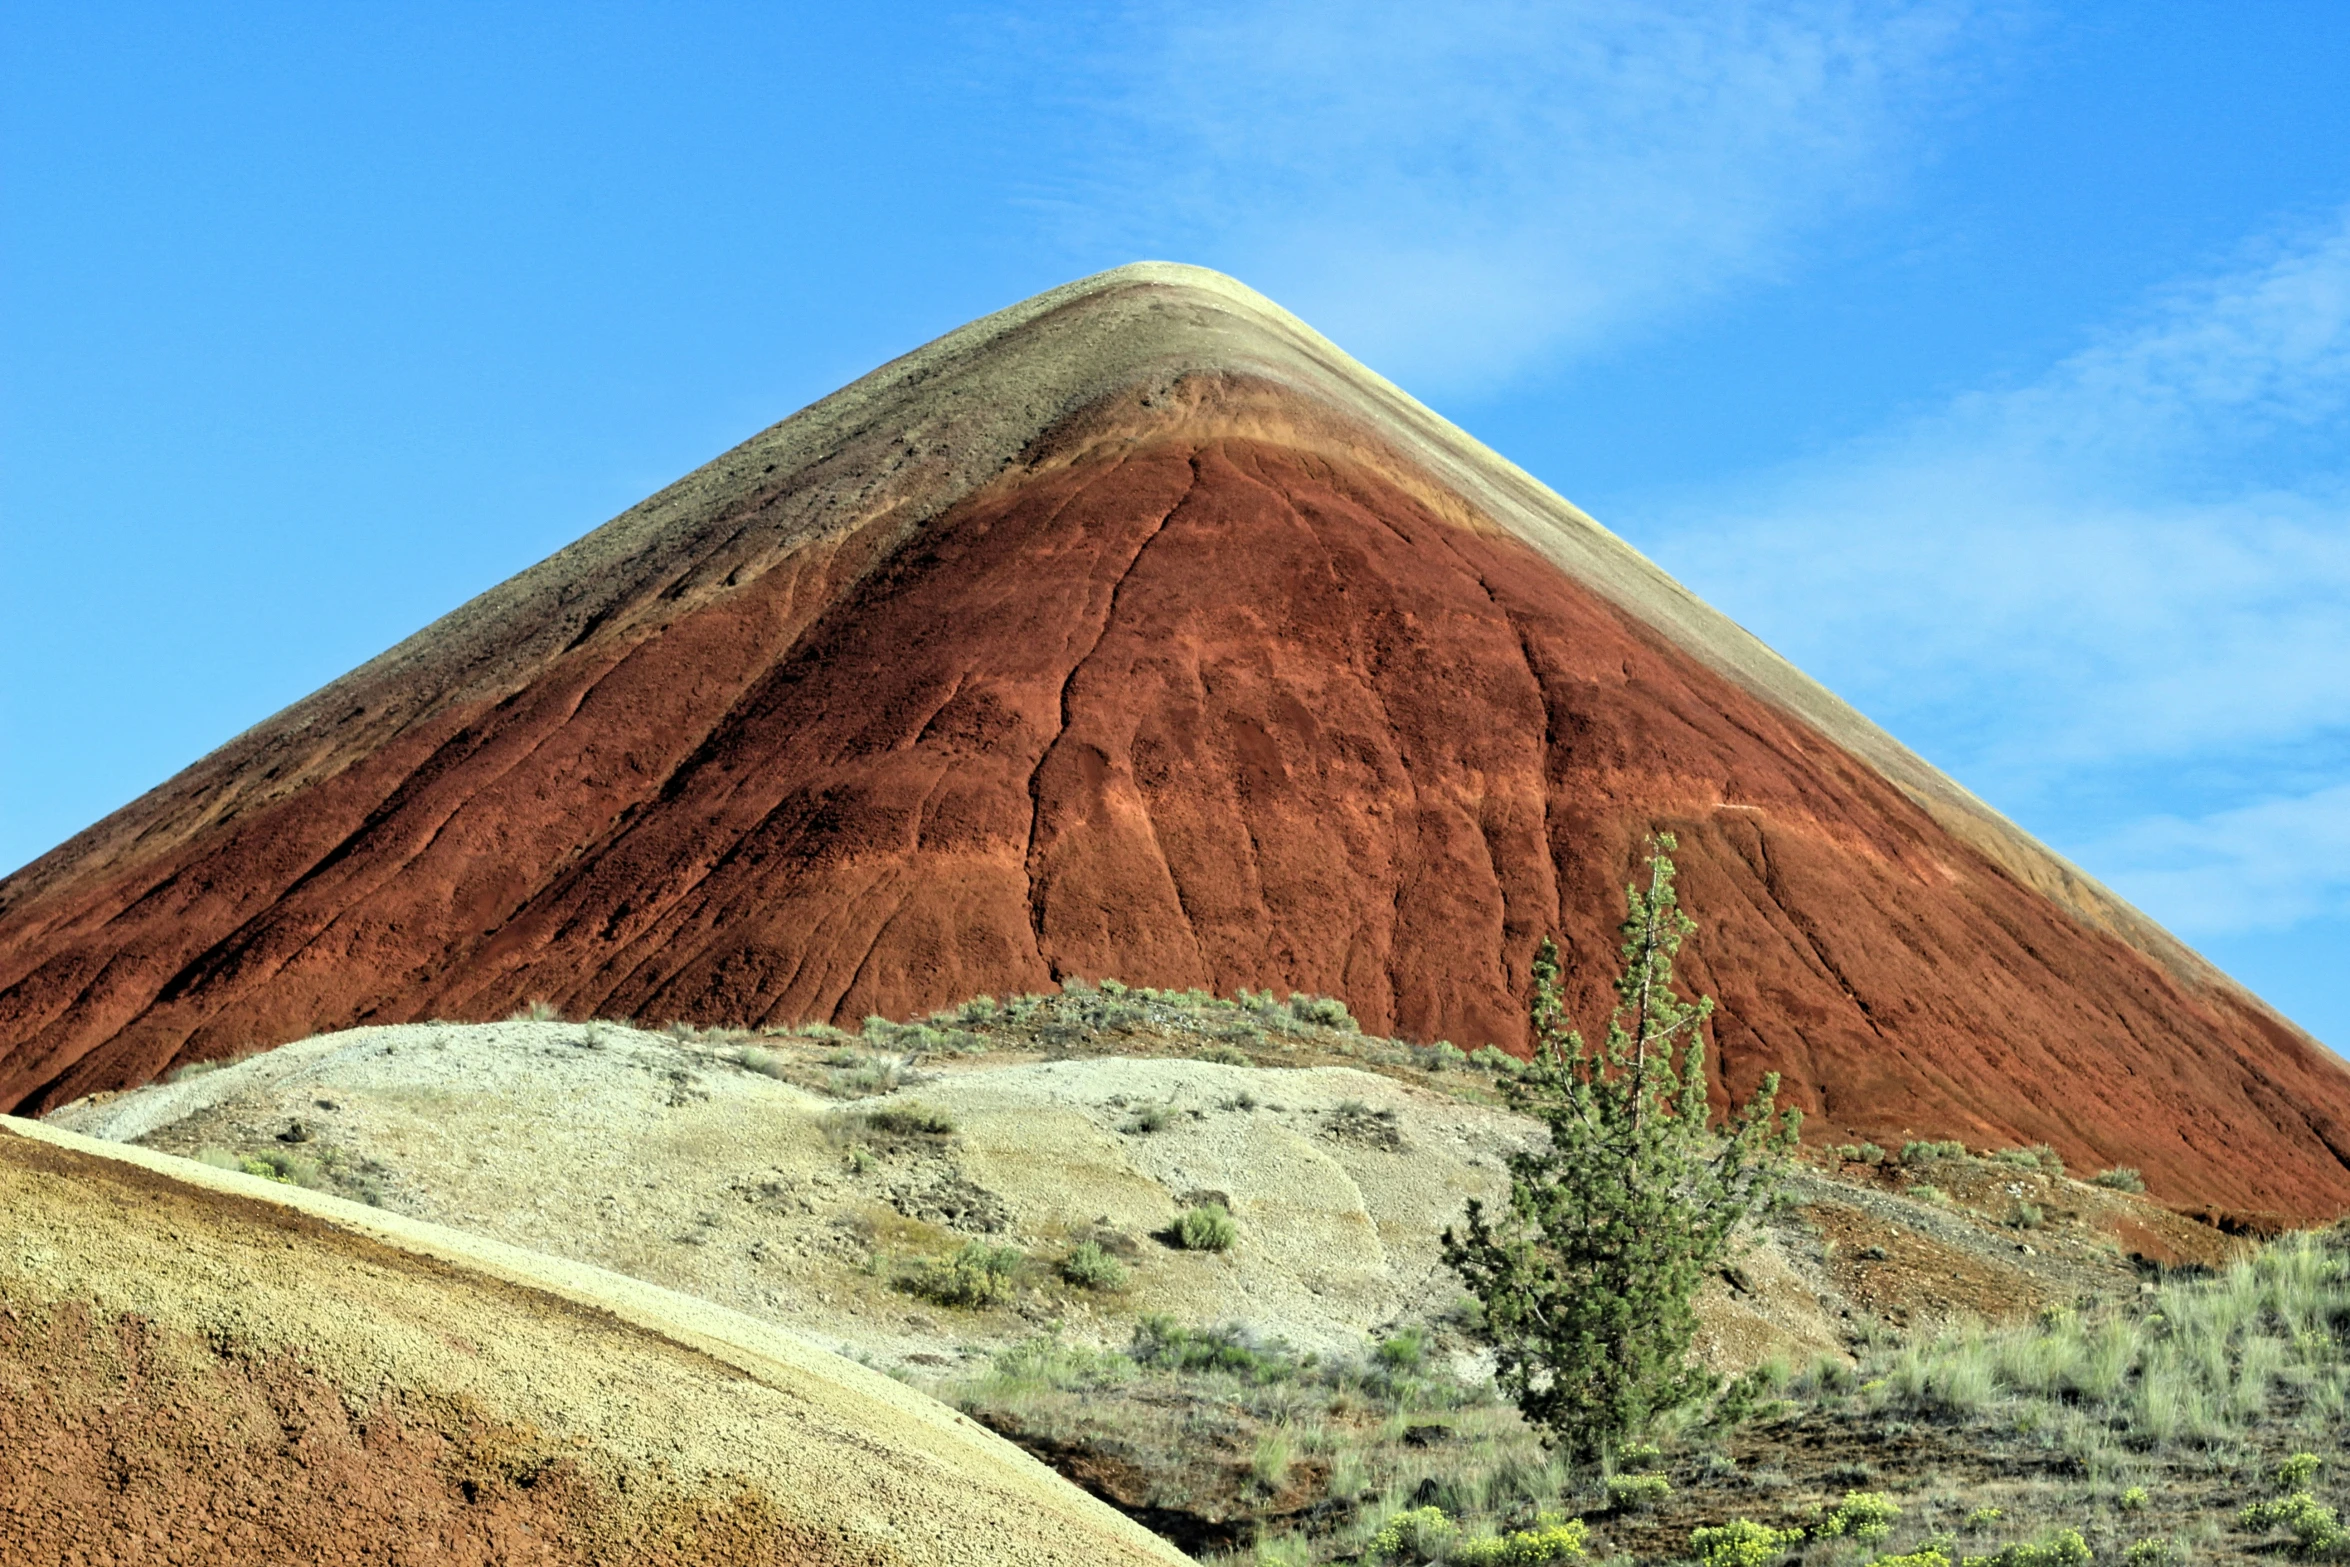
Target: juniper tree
[[1589, 1274]]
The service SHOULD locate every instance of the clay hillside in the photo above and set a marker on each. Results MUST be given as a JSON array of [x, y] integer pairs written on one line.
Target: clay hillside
[[198, 1366], [1136, 631]]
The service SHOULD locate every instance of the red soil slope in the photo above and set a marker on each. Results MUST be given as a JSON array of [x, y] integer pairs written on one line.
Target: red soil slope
[[1192, 699]]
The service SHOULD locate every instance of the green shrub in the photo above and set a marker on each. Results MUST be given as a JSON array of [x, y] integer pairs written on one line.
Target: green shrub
[[2037, 1157], [1163, 1344], [1862, 1515], [292, 1169], [1224, 1055], [2064, 1548], [2121, 1178], [1328, 1011], [2295, 1473], [2132, 1500], [1420, 1535], [1926, 1152], [2027, 1216], [1272, 1458], [1983, 1518], [1208, 1228], [271, 1165], [1148, 1119], [2156, 1552], [1634, 1493], [1741, 1543], [2317, 1532], [1089, 1267], [1861, 1153], [1045, 1362], [1493, 1059], [865, 1075], [1634, 1456], [1590, 1270], [1552, 1539], [978, 1275], [911, 1117], [1926, 1191]]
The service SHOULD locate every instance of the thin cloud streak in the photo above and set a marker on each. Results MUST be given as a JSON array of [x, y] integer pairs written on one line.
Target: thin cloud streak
[[1462, 194], [2261, 867], [2135, 567]]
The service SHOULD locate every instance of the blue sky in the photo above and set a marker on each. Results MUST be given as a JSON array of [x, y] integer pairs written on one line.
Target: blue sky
[[1990, 360]]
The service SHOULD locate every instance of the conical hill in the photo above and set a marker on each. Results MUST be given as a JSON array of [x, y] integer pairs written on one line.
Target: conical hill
[[1136, 631]]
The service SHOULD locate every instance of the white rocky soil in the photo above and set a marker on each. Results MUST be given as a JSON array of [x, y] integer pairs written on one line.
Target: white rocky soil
[[670, 1161]]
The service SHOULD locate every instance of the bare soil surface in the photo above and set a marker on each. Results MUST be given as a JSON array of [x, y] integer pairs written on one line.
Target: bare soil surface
[[665, 1159], [669, 1159]]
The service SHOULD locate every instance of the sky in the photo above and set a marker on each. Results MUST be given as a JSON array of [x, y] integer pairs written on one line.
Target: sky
[[1991, 361]]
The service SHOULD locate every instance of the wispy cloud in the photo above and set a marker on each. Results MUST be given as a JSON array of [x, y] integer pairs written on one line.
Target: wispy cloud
[[2127, 581], [1457, 192], [2259, 867]]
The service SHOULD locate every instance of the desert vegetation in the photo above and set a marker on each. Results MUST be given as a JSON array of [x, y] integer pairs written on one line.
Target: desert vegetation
[[976, 1274], [1559, 1414], [2201, 1420], [1588, 1278], [316, 1167], [1205, 1228], [1096, 1018], [2145, 1417]]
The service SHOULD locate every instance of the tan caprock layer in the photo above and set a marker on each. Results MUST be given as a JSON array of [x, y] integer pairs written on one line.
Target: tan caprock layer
[[925, 431], [202, 1367]]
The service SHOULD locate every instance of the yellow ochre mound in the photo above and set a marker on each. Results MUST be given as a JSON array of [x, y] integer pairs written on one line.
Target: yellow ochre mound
[[198, 1367]]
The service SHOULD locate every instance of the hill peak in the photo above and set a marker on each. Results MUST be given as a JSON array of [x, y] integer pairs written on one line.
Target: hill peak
[[1133, 630]]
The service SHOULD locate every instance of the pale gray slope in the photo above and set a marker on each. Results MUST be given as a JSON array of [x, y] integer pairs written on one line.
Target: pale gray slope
[[666, 1160]]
